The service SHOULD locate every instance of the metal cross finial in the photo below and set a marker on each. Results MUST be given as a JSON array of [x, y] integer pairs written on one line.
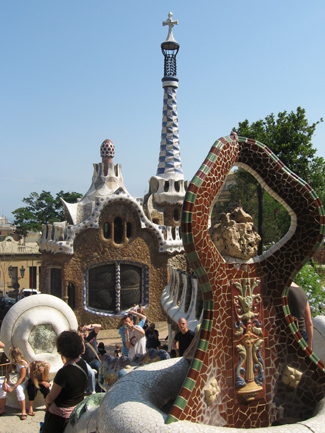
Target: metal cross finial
[[170, 23]]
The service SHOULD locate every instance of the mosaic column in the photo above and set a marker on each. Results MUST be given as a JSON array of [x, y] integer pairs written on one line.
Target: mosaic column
[[117, 287], [170, 165]]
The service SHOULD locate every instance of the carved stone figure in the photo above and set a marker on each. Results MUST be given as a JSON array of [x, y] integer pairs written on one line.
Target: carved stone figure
[[234, 234]]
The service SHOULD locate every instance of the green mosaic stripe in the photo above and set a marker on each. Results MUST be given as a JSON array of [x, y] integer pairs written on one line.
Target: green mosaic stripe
[[189, 383], [186, 217], [218, 144], [190, 197], [200, 271], [206, 325], [203, 345], [192, 257], [227, 138], [293, 275], [286, 310], [208, 305], [322, 229], [286, 170], [285, 292], [196, 365], [314, 358], [187, 238], [305, 260], [180, 402], [197, 181], [261, 145], [304, 345], [205, 169], [170, 419], [321, 210], [302, 182], [274, 157], [293, 328], [212, 157], [206, 287], [313, 194]]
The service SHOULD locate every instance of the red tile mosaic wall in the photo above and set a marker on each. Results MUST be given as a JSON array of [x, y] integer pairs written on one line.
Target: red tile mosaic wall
[[265, 335]]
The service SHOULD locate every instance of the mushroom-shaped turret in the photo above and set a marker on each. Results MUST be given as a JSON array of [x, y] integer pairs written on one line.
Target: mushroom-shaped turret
[[107, 152]]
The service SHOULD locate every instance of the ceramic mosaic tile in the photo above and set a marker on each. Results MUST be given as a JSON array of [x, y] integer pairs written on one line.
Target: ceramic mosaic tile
[[247, 354]]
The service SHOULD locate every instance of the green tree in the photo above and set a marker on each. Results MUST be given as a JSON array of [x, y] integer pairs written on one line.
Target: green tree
[[41, 209], [309, 278], [289, 136]]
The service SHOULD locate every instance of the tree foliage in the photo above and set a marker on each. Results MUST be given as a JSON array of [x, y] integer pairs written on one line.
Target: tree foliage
[[289, 136], [41, 209], [309, 278]]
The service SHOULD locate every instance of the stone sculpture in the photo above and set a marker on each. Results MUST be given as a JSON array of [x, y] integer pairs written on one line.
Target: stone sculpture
[[234, 234]]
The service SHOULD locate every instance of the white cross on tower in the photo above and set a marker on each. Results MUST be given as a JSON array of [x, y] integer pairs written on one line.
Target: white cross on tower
[[170, 23]]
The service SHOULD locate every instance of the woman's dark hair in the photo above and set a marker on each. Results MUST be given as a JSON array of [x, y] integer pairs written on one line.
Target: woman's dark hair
[[69, 344]]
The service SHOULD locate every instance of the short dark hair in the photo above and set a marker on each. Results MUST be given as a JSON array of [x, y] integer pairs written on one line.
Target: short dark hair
[[80, 327], [69, 344]]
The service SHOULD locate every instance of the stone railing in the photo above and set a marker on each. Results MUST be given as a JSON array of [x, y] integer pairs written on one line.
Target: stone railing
[[181, 297]]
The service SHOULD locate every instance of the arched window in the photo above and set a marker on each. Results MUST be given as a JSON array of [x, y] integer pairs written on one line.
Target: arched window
[[107, 230], [118, 230], [166, 186], [128, 230]]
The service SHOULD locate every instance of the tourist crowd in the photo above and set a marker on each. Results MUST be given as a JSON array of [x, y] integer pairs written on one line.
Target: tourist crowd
[[81, 355]]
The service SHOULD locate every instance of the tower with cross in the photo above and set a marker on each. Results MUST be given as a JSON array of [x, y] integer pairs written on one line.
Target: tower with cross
[[167, 187]]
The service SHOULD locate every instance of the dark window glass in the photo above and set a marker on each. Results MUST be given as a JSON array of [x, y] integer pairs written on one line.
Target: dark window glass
[[32, 277], [128, 230], [118, 230], [56, 282], [166, 186], [176, 215], [107, 230], [72, 296], [131, 286], [102, 287], [177, 186]]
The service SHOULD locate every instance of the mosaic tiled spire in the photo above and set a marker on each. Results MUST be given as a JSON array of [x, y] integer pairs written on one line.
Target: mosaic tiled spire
[[170, 165]]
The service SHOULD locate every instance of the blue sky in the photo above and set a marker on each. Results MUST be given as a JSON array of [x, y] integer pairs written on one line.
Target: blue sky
[[76, 72]]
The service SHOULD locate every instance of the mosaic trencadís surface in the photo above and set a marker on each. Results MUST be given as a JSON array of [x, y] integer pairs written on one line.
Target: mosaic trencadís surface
[[248, 338]]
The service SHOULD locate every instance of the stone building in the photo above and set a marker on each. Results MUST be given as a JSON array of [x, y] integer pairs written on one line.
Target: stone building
[[112, 250], [20, 264]]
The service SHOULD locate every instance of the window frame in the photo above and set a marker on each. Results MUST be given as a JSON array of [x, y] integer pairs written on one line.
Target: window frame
[[118, 311]]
